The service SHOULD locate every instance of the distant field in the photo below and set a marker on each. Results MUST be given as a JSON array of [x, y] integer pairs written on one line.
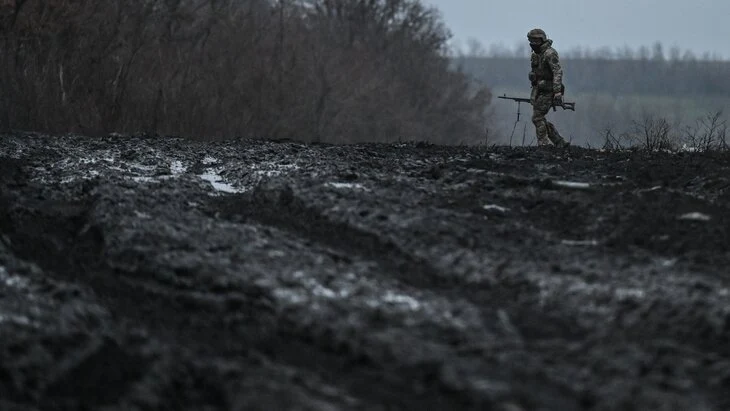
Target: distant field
[[607, 94]]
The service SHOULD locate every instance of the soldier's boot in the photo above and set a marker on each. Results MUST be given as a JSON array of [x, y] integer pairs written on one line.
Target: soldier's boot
[[555, 137], [541, 131]]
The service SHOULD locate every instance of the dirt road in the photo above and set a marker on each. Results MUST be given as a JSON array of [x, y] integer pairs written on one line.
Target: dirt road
[[149, 274]]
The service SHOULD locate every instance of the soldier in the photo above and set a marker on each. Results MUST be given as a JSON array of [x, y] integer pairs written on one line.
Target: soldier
[[546, 77]]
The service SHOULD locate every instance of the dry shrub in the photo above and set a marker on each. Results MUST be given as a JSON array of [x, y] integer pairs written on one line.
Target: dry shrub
[[708, 133]]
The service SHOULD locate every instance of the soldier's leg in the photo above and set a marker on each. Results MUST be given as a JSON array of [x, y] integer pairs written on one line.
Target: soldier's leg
[[540, 107], [555, 137]]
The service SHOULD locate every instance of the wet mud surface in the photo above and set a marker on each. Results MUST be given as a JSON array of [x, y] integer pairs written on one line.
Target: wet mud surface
[[149, 274]]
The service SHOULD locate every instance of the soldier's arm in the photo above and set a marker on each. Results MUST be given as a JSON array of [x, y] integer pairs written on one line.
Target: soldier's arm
[[554, 62]]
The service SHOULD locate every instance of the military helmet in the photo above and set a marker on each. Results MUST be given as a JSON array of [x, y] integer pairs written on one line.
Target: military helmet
[[536, 36]]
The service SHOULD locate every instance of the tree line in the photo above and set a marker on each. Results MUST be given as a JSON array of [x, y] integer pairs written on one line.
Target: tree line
[[313, 70], [696, 78], [657, 52]]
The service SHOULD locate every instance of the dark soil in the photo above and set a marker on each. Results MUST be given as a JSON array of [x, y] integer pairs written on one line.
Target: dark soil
[[366, 277]]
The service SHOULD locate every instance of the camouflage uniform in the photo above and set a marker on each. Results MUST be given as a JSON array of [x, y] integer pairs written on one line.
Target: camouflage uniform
[[546, 77]]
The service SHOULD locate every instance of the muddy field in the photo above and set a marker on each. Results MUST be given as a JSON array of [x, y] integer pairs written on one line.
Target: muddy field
[[161, 274]]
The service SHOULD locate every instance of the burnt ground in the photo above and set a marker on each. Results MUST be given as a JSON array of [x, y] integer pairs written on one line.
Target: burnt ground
[[162, 274]]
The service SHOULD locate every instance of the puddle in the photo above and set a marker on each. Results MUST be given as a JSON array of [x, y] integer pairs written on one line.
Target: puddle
[[347, 186], [572, 184], [216, 180], [496, 208], [696, 216]]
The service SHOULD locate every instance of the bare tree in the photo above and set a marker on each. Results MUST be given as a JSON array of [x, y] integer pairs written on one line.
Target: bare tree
[[305, 69]]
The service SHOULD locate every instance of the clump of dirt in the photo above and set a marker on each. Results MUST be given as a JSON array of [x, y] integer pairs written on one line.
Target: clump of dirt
[[142, 273]]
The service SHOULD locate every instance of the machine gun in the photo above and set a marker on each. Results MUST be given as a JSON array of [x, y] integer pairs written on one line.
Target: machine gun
[[566, 105]]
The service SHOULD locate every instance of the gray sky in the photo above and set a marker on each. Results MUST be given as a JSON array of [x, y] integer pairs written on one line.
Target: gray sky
[[697, 25]]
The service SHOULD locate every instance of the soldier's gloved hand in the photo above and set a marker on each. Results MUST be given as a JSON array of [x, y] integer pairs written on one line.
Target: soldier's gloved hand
[[558, 99]]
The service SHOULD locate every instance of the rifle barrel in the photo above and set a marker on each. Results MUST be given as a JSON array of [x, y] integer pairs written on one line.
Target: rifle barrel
[[518, 99], [567, 105]]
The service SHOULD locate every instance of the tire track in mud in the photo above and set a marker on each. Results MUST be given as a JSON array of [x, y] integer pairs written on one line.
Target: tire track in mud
[[276, 203], [47, 232], [355, 344], [343, 298], [131, 299], [234, 324], [281, 207]]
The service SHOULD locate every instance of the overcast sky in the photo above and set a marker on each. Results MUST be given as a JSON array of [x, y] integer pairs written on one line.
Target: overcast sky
[[697, 25]]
